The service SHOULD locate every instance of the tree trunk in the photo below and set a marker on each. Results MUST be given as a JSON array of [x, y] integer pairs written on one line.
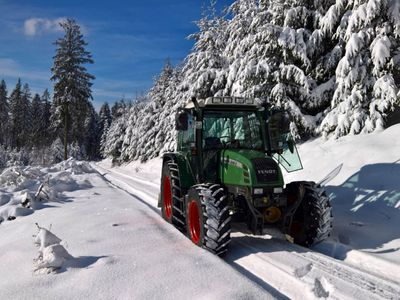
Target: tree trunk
[[65, 131]]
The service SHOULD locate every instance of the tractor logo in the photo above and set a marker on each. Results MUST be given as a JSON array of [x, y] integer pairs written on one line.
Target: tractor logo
[[266, 172]]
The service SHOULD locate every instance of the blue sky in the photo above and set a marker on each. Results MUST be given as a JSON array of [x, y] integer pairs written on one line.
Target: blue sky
[[129, 40]]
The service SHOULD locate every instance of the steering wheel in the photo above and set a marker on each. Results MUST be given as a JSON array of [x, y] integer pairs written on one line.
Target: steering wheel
[[229, 142]]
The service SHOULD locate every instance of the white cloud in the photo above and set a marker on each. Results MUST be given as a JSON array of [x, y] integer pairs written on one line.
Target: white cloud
[[11, 68], [36, 26]]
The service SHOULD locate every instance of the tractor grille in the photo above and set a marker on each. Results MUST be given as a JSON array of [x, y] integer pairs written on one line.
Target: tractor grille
[[266, 170]]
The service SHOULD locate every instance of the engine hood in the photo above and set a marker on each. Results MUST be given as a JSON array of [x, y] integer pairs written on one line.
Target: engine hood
[[249, 168]]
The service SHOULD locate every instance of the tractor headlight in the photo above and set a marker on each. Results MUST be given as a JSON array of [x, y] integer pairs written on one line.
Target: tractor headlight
[[258, 191], [278, 190]]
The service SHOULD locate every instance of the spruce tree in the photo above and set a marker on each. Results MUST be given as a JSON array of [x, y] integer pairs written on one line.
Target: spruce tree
[[45, 125], [117, 109], [205, 65], [72, 88], [20, 115], [105, 116], [4, 114], [36, 113]]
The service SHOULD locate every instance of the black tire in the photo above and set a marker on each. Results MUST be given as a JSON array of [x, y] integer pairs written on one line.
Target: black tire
[[208, 220], [171, 199], [312, 222]]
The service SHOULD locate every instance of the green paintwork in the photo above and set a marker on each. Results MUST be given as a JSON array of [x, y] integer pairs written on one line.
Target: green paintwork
[[235, 164]]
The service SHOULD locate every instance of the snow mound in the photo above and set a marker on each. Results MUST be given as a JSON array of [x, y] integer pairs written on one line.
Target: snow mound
[[52, 255], [26, 189]]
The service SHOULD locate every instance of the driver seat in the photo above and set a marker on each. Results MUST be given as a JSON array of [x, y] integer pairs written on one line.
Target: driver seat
[[212, 142]]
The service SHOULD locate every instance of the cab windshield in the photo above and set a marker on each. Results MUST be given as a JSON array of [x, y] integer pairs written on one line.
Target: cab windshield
[[237, 129]]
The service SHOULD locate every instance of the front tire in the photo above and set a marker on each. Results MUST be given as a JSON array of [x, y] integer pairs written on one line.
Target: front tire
[[208, 221], [312, 222]]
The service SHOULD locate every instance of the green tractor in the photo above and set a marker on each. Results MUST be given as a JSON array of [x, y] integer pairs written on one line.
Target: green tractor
[[226, 170]]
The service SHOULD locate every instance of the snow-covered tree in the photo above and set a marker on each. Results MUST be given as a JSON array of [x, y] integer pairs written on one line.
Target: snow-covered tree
[[204, 67], [105, 115], [334, 65], [366, 85], [117, 109], [72, 88]]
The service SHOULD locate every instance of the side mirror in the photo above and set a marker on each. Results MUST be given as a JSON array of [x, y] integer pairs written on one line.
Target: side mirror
[[181, 120], [290, 144]]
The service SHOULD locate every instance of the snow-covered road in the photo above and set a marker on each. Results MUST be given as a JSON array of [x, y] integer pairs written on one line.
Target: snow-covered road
[[281, 268]]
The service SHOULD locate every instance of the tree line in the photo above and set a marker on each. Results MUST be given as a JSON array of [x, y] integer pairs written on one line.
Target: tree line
[[48, 128]]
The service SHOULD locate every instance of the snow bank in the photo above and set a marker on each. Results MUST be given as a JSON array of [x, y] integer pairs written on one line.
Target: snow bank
[[26, 189], [365, 195]]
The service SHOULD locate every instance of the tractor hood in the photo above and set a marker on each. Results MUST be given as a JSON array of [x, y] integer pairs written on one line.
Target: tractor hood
[[249, 168]]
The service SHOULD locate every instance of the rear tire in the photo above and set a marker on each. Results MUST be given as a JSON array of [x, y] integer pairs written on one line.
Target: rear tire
[[312, 222], [208, 221], [171, 200]]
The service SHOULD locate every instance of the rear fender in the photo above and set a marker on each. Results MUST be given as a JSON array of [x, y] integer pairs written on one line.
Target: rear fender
[[186, 176]]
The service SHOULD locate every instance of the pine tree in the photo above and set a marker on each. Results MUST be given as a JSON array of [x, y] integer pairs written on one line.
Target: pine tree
[[105, 116], [4, 114], [117, 109], [36, 127], [72, 88], [20, 118], [46, 137], [92, 135]]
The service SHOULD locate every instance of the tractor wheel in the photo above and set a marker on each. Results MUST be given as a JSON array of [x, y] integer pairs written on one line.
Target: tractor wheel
[[312, 222], [208, 222], [171, 200]]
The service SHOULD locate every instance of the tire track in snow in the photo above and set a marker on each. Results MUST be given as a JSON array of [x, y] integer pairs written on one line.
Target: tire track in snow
[[130, 184], [311, 273]]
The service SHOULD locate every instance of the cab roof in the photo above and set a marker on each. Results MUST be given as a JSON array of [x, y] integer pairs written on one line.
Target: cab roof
[[221, 102]]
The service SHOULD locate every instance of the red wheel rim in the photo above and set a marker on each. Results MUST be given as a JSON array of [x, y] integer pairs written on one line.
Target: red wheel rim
[[167, 197], [194, 222]]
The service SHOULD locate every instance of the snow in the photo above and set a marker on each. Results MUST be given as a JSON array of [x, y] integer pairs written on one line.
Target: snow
[[101, 234], [365, 196], [113, 246], [380, 52]]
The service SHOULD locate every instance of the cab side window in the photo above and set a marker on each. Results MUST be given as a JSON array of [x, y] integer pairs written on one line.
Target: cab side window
[[187, 137]]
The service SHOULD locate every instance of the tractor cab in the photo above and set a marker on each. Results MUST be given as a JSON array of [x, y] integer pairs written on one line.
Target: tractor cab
[[208, 129]]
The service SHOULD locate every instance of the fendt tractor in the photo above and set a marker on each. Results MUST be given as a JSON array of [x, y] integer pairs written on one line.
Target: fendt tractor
[[226, 170]]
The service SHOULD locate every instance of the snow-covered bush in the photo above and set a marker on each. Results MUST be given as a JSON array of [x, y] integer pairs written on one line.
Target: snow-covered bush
[[52, 253], [25, 189]]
